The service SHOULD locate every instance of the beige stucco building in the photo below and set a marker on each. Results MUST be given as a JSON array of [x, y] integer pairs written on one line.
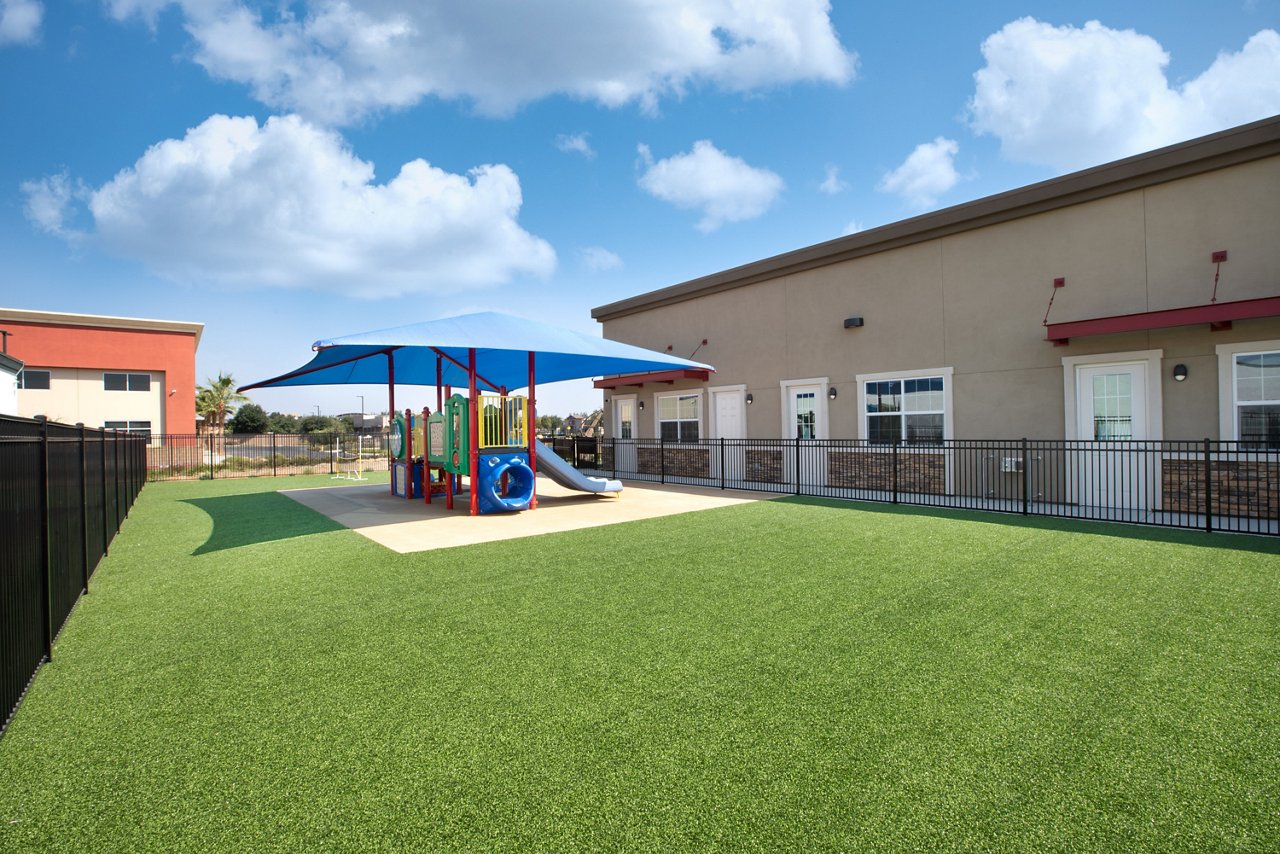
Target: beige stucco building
[[942, 326]]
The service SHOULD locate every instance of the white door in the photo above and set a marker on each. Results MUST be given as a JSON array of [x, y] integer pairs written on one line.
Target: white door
[[730, 425], [1111, 411], [624, 431], [802, 418]]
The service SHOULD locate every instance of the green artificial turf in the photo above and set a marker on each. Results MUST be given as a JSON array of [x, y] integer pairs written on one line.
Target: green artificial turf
[[793, 674]]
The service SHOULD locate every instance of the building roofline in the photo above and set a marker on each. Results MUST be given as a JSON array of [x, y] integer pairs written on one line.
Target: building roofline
[[22, 315], [1230, 147], [10, 364]]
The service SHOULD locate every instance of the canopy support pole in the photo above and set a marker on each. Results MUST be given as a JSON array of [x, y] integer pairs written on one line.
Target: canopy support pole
[[533, 434], [474, 439], [391, 408], [439, 382]]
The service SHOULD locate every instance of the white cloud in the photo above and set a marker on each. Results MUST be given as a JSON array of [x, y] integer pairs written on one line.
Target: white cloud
[[1071, 97], [832, 185], [597, 259], [289, 205], [928, 172], [338, 61], [853, 227], [724, 188], [575, 143], [49, 203], [20, 21]]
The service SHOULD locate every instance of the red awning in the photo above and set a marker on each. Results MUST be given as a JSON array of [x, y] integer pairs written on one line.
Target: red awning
[[653, 377], [1218, 315]]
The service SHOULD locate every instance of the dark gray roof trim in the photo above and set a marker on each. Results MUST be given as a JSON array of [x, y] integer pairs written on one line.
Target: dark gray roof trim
[[1230, 147]]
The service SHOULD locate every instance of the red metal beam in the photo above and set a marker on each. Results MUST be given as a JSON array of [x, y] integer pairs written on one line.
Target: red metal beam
[[655, 377], [1213, 314]]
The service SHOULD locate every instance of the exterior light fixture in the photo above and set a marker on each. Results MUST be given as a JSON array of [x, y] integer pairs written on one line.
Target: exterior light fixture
[[750, 399], [640, 404], [1179, 372], [831, 393], [852, 322]]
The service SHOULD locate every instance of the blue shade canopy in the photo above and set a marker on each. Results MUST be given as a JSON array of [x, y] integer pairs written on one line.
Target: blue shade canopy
[[502, 343]]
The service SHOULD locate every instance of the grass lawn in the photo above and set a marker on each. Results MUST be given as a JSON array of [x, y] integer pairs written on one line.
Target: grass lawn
[[793, 674]]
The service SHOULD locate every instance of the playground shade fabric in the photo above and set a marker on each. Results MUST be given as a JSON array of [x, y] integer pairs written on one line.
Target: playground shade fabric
[[502, 343]]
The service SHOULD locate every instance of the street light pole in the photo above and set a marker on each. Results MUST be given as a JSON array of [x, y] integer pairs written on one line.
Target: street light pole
[[317, 409]]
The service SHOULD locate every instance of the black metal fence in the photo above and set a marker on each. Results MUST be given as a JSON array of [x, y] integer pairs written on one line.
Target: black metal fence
[[1203, 484], [64, 492], [189, 457]]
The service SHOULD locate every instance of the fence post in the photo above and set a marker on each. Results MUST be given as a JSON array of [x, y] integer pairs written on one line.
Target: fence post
[[211, 454], [894, 463], [102, 448], [1026, 478], [614, 446], [46, 558], [333, 436], [1208, 489], [722, 462], [273, 453], [662, 459], [84, 511], [797, 471]]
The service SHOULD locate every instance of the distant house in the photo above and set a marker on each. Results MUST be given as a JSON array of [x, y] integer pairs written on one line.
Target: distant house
[[122, 373]]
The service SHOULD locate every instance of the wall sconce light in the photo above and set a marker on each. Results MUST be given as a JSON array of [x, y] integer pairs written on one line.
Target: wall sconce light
[[831, 393], [1179, 372], [641, 405], [852, 322], [750, 399]]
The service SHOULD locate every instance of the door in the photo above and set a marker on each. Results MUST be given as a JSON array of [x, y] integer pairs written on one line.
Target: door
[[730, 426], [1111, 412], [802, 418], [624, 434]]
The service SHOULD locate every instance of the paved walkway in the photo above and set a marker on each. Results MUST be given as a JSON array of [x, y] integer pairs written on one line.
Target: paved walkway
[[414, 526]]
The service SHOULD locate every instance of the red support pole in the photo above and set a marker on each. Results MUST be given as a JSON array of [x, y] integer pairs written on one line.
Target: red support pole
[[533, 434], [474, 439], [391, 406], [439, 380]]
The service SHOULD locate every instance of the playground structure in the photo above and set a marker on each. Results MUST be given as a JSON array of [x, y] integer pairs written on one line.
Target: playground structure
[[486, 438], [433, 452]]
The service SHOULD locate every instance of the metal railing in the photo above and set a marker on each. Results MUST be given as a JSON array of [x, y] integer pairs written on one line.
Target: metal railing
[[1202, 484], [203, 457], [64, 492]]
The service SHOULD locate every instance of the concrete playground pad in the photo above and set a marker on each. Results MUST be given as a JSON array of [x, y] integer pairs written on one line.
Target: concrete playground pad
[[415, 526]]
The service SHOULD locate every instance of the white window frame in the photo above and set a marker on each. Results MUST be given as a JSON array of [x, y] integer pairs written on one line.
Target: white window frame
[[821, 428], [128, 381], [1155, 393], [22, 375], [1228, 421], [948, 415], [688, 392], [713, 428]]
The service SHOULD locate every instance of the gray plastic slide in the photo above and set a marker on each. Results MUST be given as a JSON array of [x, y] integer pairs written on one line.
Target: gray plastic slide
[[550, 464]]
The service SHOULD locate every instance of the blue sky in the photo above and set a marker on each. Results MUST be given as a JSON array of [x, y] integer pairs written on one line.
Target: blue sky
[[287, 171]]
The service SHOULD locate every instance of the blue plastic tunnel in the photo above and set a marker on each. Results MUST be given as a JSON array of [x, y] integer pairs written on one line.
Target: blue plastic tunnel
[[519, 483]]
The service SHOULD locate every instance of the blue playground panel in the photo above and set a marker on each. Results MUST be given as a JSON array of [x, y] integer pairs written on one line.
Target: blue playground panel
[[397, 480], [519, 482]]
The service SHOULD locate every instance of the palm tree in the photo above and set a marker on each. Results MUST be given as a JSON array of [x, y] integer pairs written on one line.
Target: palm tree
[[217, 400]]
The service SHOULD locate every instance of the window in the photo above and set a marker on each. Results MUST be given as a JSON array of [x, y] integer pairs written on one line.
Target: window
[[143, 427], [678, 417], [908, 411], [126, 382], [1257, 399], [29, 378]]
